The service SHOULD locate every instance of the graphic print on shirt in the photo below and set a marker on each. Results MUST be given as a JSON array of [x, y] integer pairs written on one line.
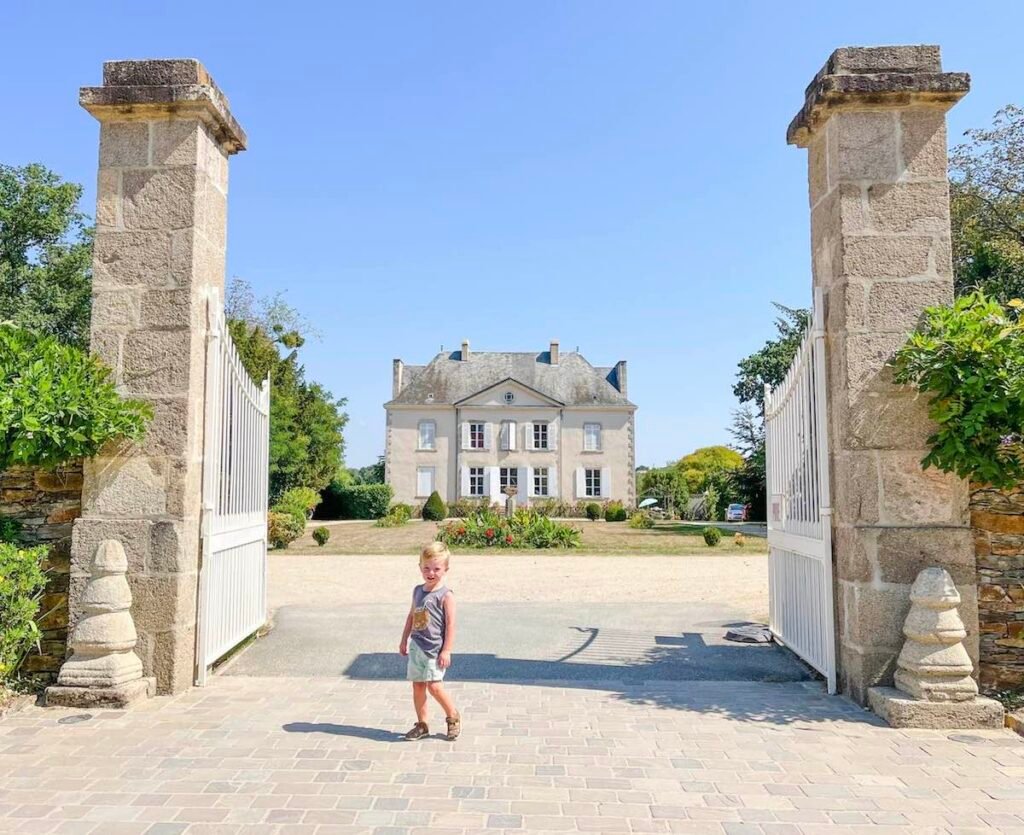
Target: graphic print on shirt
[[419, 619]]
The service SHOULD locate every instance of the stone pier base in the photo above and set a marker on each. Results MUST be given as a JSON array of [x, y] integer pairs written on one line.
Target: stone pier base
[[902, 711], [120, 696]]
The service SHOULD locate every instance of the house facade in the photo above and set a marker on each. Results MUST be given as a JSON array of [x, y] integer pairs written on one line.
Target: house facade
[[469, 424]]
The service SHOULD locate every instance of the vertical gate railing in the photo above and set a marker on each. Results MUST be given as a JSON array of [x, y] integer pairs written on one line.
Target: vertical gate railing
[[233, 573], [801, 597]]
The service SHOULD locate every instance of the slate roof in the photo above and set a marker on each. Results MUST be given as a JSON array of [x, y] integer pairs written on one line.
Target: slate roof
[[573, 382]]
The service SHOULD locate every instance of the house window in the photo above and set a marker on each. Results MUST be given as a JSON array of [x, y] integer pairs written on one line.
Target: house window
[[592, 482], [540, 481], [591, 437], [428, 434], [509, 477], [476, 481], [424, 481], [509, 397], [476, 436], [540, 436]]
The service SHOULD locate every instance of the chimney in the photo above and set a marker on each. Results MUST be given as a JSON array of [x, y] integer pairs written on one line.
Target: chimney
[[396, 377], [465, 350], [620, 377], [554, 352]]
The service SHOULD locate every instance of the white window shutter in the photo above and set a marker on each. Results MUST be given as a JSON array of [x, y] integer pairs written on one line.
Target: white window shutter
[[581, 483], [553, 435], [503, 435], [495, 492], [553, 486], [465, 435], [606, 482], [488, 436], [529, 480], [464, 481], [528, 436], [488, 481], [525, 477], [511, 426]]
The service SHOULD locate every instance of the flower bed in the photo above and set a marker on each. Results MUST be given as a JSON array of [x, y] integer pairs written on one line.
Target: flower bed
[[525, 529]]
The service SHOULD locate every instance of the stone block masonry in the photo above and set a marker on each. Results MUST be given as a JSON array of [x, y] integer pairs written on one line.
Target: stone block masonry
[[874, 126], [166, 132], [46, 503], [997, 517]]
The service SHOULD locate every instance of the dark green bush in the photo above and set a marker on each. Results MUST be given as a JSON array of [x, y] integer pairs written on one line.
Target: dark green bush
[[283, 529], [10, 529], [434, 510], [712, 536], [22, 581], [321, 535], [354, 501], [593, 511], [615, 512]]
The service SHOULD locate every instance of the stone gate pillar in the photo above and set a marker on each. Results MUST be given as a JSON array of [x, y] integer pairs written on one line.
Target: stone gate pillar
[[874, 126], [166, 133]]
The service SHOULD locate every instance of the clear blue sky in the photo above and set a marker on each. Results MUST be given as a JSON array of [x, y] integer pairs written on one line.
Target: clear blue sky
[[614, 175]]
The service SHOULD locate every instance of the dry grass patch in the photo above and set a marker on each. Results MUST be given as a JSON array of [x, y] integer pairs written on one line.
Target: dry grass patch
[[598, 538]]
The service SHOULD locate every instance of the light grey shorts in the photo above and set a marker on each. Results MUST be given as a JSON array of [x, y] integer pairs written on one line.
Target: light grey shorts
[[421, 666]]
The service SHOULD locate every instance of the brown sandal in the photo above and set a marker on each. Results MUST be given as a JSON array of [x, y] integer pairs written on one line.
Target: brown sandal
[[454, 726], [417, 731]]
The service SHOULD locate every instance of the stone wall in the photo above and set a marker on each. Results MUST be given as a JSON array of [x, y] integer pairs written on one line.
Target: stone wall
[[997, 517], [46, 502]]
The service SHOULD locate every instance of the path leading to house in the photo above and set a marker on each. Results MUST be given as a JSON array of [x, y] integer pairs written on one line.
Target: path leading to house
[[553, 617]]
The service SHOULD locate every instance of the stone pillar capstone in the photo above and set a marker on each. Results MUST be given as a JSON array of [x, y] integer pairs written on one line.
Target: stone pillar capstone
[[934, 688], [104, 670], [874, 125], [166, 133]]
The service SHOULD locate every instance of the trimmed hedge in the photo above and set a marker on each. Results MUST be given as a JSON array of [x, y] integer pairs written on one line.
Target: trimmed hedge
[[358, 501], [434, 510]]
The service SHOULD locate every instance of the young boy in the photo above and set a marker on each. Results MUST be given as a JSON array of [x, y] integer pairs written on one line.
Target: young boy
[[431, 626]]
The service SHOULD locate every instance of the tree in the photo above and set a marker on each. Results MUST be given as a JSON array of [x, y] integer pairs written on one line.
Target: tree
[[986, 192], [747, 431], [306, 422], [45, 255], [666, 484], [372, 474], [711, 467], [770, 363]]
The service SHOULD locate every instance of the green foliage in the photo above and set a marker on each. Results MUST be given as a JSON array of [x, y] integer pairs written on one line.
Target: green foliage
[[434, 510], [712, 536], [283, 529], [710, 503], [321, 535], [970, 358], [748, 482], [615, 512], [22, 581], [987, 208], [770, 363], [10, 530], [525, 529], [397, 516], [668, 485], [593, 511], [402, 510], [358, 501], [301, 499], [45, 255], [373, 474], [57, 403], [641, 520], [306, 423]]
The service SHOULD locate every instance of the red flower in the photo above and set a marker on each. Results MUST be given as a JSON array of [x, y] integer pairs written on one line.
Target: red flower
[[489, 533], [462, 531], [508, 539]]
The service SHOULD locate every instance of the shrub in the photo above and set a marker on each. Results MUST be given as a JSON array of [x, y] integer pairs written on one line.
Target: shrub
[[712, 536], [970, 358], [739, 540], [22, 581], [615, 512], [401, 510], [58, 403], [304, 499], [321, 535], [283, 528], [397, 516], [364, 501], [10, 529], [525, 529], [593, 511], [434, 510], [641, 520]]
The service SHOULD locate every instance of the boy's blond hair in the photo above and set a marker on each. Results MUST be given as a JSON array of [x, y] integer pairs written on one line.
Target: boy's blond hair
[[435, 551]]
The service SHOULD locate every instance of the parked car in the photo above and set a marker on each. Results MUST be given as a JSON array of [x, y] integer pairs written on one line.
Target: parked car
[[736, 513]]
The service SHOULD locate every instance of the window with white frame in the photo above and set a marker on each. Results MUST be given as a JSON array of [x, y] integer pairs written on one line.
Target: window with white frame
[[476, 481], [540, 436], [476, 435], [424, 481], [591, 437], [508, 476], [540, 481], [428, 435], [592, 483]]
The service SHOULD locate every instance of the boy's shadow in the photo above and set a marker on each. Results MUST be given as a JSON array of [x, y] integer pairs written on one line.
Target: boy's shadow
[[374, 734]]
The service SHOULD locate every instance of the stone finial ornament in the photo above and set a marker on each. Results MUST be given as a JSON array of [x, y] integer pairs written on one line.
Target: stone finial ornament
[[104, 670], [934, 687]]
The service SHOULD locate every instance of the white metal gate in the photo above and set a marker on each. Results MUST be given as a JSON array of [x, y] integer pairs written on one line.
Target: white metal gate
[[799, 509], [233, 574]]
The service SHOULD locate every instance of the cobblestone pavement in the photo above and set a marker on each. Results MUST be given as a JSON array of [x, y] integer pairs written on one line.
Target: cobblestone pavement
[[320, 756]]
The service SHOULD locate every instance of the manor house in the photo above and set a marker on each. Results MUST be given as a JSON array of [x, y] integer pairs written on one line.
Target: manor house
[[469, 424]]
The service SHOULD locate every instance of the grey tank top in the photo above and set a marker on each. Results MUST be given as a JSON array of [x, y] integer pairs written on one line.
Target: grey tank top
[[428, 620]]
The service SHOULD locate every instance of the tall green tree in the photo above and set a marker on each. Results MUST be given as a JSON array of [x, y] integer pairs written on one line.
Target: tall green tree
[[45, 255], [307, 443], [986, 190]]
